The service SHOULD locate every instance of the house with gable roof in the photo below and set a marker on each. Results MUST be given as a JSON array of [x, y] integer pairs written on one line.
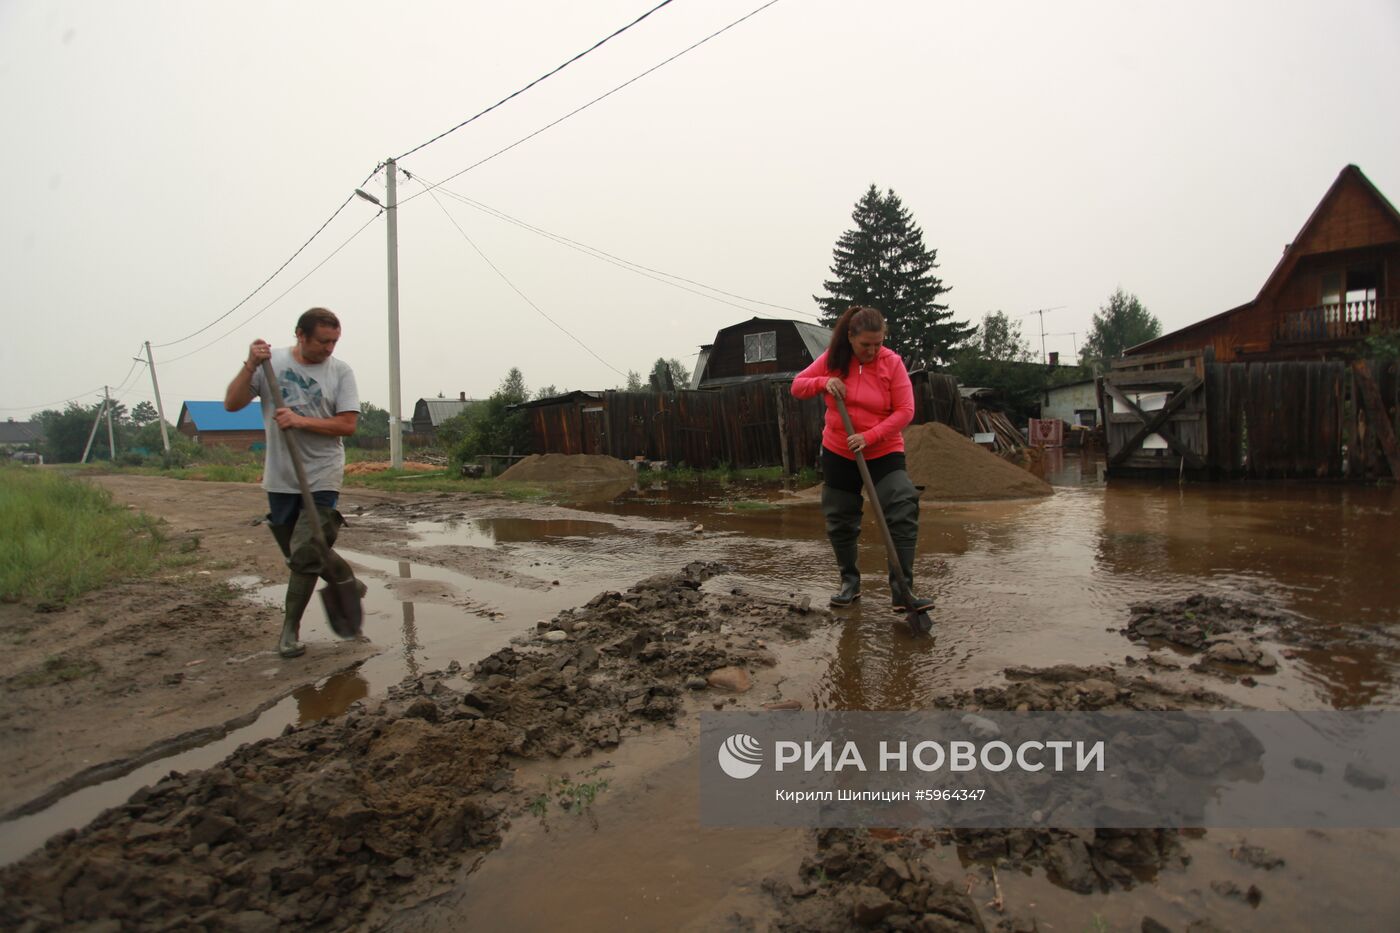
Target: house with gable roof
[[207, 423], [1336, 284]]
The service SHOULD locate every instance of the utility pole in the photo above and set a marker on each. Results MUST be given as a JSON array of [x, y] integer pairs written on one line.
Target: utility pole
[[160, 409], [111, 441], [93, 433], [390, 204], [395, 407]]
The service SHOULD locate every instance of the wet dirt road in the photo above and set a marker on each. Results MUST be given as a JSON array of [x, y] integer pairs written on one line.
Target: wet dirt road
[[1019, 583]]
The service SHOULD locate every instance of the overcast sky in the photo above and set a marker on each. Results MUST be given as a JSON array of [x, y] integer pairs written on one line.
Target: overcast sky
[[162, 159]]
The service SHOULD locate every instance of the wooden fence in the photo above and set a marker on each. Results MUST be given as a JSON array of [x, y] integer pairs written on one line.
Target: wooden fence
[[1264, 420], [753, 424]]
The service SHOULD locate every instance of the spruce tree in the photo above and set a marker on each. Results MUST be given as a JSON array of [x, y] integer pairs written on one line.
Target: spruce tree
[[882, 262]]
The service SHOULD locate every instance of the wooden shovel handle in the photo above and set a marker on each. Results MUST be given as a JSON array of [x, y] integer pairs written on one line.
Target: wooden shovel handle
[[308, 504]]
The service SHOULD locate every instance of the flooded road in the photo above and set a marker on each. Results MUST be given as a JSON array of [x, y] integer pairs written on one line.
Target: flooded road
[[1033, 582]]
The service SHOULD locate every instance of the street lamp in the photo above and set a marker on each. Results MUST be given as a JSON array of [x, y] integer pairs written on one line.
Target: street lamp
[[390, 206]]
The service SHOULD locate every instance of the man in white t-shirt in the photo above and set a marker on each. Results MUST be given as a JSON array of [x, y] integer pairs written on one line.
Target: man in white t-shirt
[[321, 402]]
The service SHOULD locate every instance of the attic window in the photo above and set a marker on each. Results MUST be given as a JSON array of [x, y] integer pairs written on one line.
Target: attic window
[[761, 347]]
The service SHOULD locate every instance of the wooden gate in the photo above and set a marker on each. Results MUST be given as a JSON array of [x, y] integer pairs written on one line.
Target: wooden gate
[[1154, 413], [1293, 419]]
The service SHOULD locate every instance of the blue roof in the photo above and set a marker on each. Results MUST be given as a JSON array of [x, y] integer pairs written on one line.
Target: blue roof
[[210, 416]]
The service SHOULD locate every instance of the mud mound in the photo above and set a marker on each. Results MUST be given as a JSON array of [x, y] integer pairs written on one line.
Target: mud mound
[[568, 468], [1069, 687], [855, 881], [951, 467], [334, 824]]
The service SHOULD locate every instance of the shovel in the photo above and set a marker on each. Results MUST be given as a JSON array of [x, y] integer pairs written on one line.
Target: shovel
[[341, 598], [918, 620]]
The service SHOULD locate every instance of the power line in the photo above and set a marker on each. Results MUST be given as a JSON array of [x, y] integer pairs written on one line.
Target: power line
[[597, 99], [274, 301], [537, 308], [61, 401], [627, 264], [542, 77], [73, 398], [277, 272], [349, 198]]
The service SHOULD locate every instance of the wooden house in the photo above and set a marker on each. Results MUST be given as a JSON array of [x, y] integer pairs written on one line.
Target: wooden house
[[429, 413], [209, 424], [759, 349], [1337, 283]]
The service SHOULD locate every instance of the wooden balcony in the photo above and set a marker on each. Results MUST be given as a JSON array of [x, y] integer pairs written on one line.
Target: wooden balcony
[[1353, 320]]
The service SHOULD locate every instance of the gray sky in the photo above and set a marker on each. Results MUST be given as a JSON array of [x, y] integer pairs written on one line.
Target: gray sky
[[165, 157]]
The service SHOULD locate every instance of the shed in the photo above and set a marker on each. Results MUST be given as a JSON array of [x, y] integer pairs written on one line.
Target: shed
[[758, 349], [429, 413], [1076, 403], [1337, 283], [209, 424]]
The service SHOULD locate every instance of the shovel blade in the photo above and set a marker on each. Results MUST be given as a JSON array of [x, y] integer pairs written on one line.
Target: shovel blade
[[919, 623], [916, 618], [344, 611]]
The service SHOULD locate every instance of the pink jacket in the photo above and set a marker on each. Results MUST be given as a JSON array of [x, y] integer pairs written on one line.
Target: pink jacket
[[879, 398]]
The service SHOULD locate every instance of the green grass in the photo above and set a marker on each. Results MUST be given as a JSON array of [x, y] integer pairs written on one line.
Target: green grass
[[60, 537]]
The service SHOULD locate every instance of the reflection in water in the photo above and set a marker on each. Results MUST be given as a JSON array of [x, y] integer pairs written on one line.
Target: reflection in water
[[330, 698], [1051, 581], [410, 628]]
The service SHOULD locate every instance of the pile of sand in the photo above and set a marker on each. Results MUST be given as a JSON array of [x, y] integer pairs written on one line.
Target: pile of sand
[[379, 466], [949, 466], [568, 468]]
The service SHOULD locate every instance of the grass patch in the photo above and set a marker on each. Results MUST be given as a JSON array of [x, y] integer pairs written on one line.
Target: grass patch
[[57, 670], [214, 472], [60, 537], [752, 505], [570, 796]]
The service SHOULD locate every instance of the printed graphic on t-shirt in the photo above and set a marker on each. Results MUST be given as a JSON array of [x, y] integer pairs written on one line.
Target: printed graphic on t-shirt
[[301, 394]]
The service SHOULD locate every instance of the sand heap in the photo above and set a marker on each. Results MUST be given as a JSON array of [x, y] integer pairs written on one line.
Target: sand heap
[[568, 468], [949, 466]]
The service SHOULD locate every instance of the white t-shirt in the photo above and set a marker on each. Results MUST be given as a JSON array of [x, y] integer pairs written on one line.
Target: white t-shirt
[[323, 390]]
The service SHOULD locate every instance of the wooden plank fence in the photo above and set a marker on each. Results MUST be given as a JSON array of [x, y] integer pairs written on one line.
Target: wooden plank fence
[[1262, 420], [754, 424]]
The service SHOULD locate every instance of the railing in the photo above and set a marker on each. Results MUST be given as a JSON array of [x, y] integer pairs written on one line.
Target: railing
[[1351, 320]]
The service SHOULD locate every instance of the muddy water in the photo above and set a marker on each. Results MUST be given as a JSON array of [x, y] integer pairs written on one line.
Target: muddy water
[[1018, 583], [1034, 583], [1050, 580]]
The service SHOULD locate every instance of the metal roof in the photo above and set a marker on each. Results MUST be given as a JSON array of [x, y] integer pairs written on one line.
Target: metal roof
[[574, 396], [440, 409], [210, 416], [814, 336], [20, 432]]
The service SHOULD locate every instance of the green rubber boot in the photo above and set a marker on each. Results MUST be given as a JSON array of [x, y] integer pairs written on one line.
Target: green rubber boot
[[900, 502], [843, 511], [300, 588]]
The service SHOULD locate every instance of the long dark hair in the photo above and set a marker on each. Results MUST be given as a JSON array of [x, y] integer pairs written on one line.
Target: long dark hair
[[857, 319]]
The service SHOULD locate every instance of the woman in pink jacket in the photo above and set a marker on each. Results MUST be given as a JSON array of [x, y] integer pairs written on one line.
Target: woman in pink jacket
[[872, 379]]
